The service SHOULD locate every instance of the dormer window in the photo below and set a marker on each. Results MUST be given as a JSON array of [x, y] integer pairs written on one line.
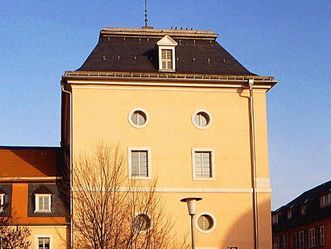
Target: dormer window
[[289, 214], [325, 200], [166, 59], [303, 210], [166, 52], [43, 203], [275, 219]]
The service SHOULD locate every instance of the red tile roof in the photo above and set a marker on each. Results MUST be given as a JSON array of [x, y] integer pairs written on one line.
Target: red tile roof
[[28, 161]]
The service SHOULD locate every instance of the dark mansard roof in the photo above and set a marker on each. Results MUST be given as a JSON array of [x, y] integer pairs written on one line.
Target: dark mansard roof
[[135, 50]]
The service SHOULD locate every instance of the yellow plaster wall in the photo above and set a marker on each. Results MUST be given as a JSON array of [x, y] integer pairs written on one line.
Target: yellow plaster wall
[[58, 236], [100, 114]]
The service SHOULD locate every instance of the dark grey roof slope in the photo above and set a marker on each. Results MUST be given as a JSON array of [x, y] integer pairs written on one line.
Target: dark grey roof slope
[[311, 199], [134, 50]]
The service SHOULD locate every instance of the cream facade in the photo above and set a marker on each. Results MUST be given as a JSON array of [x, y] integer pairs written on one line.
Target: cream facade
[[213, 159]]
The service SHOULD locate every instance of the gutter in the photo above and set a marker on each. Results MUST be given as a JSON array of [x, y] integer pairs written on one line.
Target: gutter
[[253, 162], [70, 165]]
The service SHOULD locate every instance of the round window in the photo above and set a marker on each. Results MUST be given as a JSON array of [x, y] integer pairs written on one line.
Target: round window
[[201, 119], [138, 118], [142, 222], [205, 222]]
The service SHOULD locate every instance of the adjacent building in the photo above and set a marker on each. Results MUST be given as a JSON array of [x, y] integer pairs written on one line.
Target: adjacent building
[[185, 111], [31, 197], [305, 222]]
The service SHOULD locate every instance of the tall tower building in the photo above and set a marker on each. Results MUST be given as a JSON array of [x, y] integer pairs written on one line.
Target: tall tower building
[[185, 112]]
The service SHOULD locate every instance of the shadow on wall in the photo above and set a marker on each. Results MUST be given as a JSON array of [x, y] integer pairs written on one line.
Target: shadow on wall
[[239, 233]]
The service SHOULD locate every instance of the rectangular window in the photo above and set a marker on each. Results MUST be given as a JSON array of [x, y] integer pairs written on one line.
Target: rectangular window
[[311, 238], [203, 164], [139, 162], [2, 202], [44, 243], [283, 244], [43, 203], [166, 59], [322, 236], [276, 243]]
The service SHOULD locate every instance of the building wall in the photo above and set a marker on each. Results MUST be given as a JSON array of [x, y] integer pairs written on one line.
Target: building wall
[[100, 114], [53, 225], [58, 236], [289, 234]]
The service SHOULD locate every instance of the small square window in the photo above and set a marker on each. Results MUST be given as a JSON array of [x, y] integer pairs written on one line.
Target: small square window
[[43, 203], [139, 162], [203, 166], [44, 242]]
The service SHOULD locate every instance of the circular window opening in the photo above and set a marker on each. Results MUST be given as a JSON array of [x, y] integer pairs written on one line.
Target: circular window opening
[[201, 119], [205, 222], [142, 222], [138, 118]]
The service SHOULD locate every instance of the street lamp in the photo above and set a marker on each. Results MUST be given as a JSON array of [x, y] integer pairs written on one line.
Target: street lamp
[[191, 206]]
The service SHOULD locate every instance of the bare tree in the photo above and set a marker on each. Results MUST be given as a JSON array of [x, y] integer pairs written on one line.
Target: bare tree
[[111, 211], [13, 237]]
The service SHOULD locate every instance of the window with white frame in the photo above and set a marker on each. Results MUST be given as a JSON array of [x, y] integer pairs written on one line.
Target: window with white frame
[[139, 162], [166, 50], [201, 119], [166, 59], [203, 164], [43, 203], [311, 238], [325, 200], [205, 222], [44, 243], [138, 118], [289, 214], [142, 222], [303, 210], [321, 236]]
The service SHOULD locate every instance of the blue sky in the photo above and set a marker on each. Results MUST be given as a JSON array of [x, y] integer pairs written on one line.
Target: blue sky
[[288, 39]]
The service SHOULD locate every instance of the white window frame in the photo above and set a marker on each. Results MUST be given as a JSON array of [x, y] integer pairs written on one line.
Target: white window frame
[[198, 126], [289, 214], [321, 236], [37, 208], [133, 124], [150, 218], [197, 225], [167, 43], [2, 202], [149, 162], [172, 48], [212, 153], [43, 236], [311, 238]]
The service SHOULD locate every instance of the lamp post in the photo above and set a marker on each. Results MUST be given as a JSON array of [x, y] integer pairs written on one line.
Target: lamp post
[[191, 206]]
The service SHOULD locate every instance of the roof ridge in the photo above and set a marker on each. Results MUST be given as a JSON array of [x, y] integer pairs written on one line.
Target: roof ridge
[[107, 31]]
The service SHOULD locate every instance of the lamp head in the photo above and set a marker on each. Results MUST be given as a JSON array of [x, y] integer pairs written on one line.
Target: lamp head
[[191, 201]]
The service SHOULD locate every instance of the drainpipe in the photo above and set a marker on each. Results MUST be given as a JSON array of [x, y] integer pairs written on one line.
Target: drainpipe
[[70, 165], [253, 162]]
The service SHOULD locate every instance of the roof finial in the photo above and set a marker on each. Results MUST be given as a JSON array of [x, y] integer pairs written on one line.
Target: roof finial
[[146, 20]]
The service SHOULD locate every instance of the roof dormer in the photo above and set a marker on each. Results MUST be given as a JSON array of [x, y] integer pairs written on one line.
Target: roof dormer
[[166, 52]]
